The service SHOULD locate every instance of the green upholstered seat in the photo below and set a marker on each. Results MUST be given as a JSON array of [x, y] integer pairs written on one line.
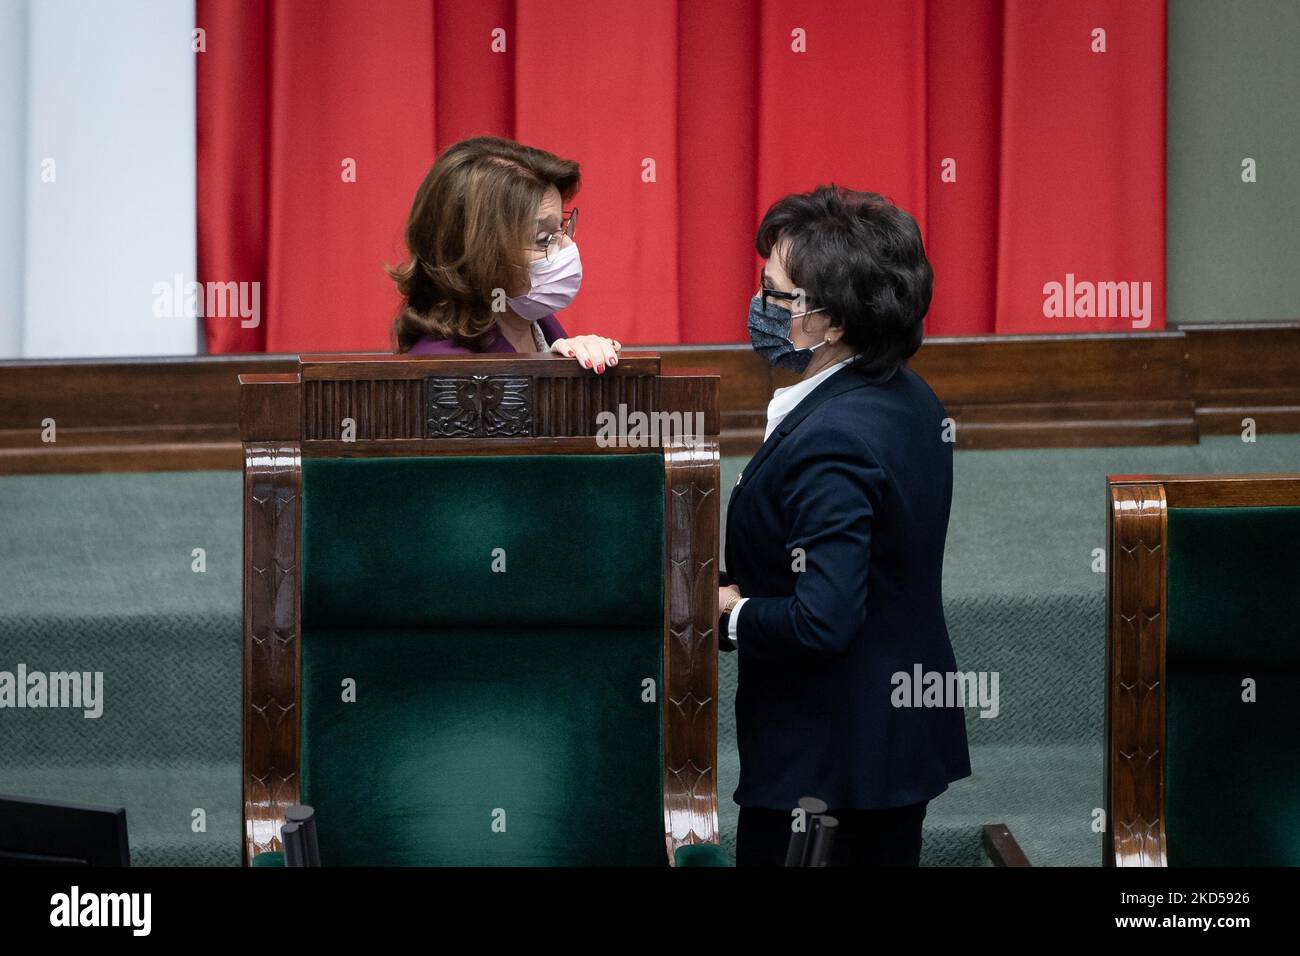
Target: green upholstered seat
[[701, 854], [1232, 770], [482, 659]]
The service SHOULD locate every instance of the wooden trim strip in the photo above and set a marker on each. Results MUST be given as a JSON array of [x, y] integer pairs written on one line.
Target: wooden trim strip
[[1136, 605], [466, 446], [1221, 491], [691, 522], [272, 703], [1001, 846]]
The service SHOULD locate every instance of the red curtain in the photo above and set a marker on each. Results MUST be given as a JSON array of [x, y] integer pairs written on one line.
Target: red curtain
[[1026, 153]]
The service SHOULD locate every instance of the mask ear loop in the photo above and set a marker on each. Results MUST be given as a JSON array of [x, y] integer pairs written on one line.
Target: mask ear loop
[[826, 340], [803, 323]]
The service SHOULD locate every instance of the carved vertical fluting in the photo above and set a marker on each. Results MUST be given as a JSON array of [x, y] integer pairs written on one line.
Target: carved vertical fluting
[[691, 644], [1135, 676], [568, 406], [272, 498], [381, 408]]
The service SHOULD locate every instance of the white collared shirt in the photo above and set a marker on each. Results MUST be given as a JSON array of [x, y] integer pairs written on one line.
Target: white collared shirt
[[785, 399], [783, 403]]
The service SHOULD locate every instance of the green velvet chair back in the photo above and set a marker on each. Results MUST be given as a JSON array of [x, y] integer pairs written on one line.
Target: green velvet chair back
[[482, 657], [476, 630], [1203, 748], [1232, 673]]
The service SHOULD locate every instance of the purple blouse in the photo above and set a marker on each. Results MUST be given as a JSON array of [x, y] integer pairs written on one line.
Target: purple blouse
[[493, 341]]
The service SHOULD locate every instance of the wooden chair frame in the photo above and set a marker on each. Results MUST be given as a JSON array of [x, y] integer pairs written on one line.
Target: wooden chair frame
[[1136, 606], [470, 405]]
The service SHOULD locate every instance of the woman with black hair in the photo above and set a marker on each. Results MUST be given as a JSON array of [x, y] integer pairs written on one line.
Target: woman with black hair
[[832, 594]]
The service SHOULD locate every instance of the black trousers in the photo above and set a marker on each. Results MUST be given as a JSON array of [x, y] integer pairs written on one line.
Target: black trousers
[[886, 837]]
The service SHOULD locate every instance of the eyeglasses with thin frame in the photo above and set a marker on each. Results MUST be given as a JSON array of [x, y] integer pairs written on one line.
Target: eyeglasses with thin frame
[[568, 227]]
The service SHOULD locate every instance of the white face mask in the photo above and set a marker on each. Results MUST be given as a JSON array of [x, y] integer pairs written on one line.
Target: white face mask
[[555, 283]]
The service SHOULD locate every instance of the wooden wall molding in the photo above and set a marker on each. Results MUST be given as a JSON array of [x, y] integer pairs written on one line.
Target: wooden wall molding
[[173, 414], [1013, 391]]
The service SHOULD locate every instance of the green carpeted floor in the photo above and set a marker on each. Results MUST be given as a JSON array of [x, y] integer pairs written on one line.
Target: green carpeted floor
[[96, 575]]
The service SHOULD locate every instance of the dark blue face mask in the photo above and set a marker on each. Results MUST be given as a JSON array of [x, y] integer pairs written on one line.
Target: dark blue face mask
[[769, 332]]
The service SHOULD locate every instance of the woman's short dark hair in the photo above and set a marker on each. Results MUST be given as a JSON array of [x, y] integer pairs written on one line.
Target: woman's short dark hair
[[859, 257]]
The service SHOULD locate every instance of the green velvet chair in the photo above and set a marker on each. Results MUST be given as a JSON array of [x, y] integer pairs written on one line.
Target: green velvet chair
[[479, 611], [1203, 671]]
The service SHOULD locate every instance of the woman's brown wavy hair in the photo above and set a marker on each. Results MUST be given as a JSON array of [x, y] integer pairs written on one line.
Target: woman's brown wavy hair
[[472, 218]]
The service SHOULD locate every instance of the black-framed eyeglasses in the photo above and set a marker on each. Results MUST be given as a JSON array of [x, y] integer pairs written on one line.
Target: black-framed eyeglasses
[[568, 226], [765, 294]]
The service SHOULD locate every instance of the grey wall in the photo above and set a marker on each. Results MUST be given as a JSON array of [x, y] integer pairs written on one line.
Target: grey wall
[[1234, 92]]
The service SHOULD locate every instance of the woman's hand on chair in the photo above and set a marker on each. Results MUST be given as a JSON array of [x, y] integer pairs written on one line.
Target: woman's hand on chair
[[590, 351]]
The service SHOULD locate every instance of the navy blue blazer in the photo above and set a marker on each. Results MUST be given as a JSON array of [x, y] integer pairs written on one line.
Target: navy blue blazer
[[854, 486]]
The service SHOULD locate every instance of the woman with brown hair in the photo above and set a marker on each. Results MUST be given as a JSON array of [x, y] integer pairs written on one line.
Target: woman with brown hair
[[493, 256]]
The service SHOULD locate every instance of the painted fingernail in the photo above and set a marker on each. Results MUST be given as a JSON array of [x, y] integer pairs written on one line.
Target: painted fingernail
[[613, 361], [570, 354], [599, 369], [586, 364]]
